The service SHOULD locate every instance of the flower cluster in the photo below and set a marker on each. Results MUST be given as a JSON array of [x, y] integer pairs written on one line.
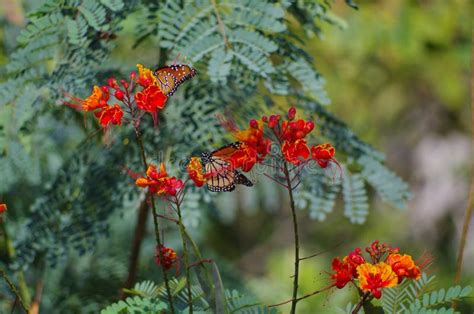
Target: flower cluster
[[149, 98], [3, 208], [159, 182], [195, 172], [289, 134], [386, 268], [169, 257]]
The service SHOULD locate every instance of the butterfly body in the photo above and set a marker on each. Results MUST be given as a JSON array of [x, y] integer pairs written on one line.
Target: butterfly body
[[221, 175], [170, 77]]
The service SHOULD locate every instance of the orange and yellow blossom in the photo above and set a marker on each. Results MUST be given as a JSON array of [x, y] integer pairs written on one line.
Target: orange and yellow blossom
[[373, 278], [195, 172], [159, 182], [146, 76], [98, 99], [403, 266]]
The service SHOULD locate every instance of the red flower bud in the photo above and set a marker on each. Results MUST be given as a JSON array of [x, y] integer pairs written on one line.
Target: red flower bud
[[119, 94], [253, 124], [112, 82], [265, 119], [124, 83], [133, 75], [309, 126], [291, 113], [105, 89], [273, 120]]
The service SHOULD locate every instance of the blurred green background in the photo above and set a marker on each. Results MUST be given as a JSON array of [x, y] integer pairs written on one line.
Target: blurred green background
[[398, 72]]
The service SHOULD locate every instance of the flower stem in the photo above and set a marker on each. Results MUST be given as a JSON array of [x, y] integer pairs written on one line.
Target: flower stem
[[186, 257], [155, 221], [361, 303], [296, 237], [13, 290]]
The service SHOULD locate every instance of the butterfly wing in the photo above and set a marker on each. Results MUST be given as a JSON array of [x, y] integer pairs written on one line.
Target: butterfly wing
[[221, 177], [170, 77], [240, 178], [227, 150]]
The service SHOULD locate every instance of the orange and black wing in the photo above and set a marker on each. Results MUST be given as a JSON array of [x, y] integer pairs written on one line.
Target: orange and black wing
[[170, 77], [227, 150], [221, 176]]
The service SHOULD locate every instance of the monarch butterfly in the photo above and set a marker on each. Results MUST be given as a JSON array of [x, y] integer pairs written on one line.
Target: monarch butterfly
[[170, 77], [222, 178]]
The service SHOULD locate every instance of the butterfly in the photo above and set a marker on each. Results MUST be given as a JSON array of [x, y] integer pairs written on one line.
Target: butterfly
[[222, 178], [170, 77]]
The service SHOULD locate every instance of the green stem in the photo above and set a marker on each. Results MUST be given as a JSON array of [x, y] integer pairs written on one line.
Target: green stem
[[186, 257], [13, 290], [22, 286], [155, 222], [295, 299]]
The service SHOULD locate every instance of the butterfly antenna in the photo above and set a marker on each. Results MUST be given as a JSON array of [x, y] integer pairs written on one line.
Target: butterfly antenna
[[177, 58]]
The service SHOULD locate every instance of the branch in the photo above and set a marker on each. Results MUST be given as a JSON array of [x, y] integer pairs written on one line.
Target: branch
[[303, 297], [319, 253], [221, 25], [13, 290]]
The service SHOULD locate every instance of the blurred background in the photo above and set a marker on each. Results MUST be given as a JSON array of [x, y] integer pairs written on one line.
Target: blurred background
[[398, 72]]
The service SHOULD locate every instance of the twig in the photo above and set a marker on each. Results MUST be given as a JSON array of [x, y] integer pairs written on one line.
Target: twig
[[296, 238], [155, 222], [185, 254], [320, 253], [221, 25], [35, 305], [13, 290], [301, 298], [470, 202], [361, 303]]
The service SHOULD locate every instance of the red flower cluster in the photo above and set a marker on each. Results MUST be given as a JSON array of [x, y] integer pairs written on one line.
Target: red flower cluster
[[386, 269], [159, 182], [149, 99], [169, 257]]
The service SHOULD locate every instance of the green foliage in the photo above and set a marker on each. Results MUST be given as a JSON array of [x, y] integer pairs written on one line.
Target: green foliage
[[419, 297], [151, 297]]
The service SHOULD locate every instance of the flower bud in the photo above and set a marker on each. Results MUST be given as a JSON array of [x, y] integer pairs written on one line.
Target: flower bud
[[291, 113], [124, 83], [309, 126], [112, 82], [265, 119], [119, 94], [105, 89], [253, 124], [133, 75], [273, 121]]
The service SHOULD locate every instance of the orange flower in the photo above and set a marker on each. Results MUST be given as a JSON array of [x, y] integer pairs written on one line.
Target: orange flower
[[403, 266], [194, 169], [3, 208], [159, 182], [98, 99], [244, 158], [110, 114], [169, 257], [146, 76], [323, 154], [254, 147], [151, 99], [295, 152], [375, 277], [354, 259]]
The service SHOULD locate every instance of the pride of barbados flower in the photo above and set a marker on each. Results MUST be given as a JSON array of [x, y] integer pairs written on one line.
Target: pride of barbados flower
[[169, 257], [385, 268], [158, 181], [140, 94]]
